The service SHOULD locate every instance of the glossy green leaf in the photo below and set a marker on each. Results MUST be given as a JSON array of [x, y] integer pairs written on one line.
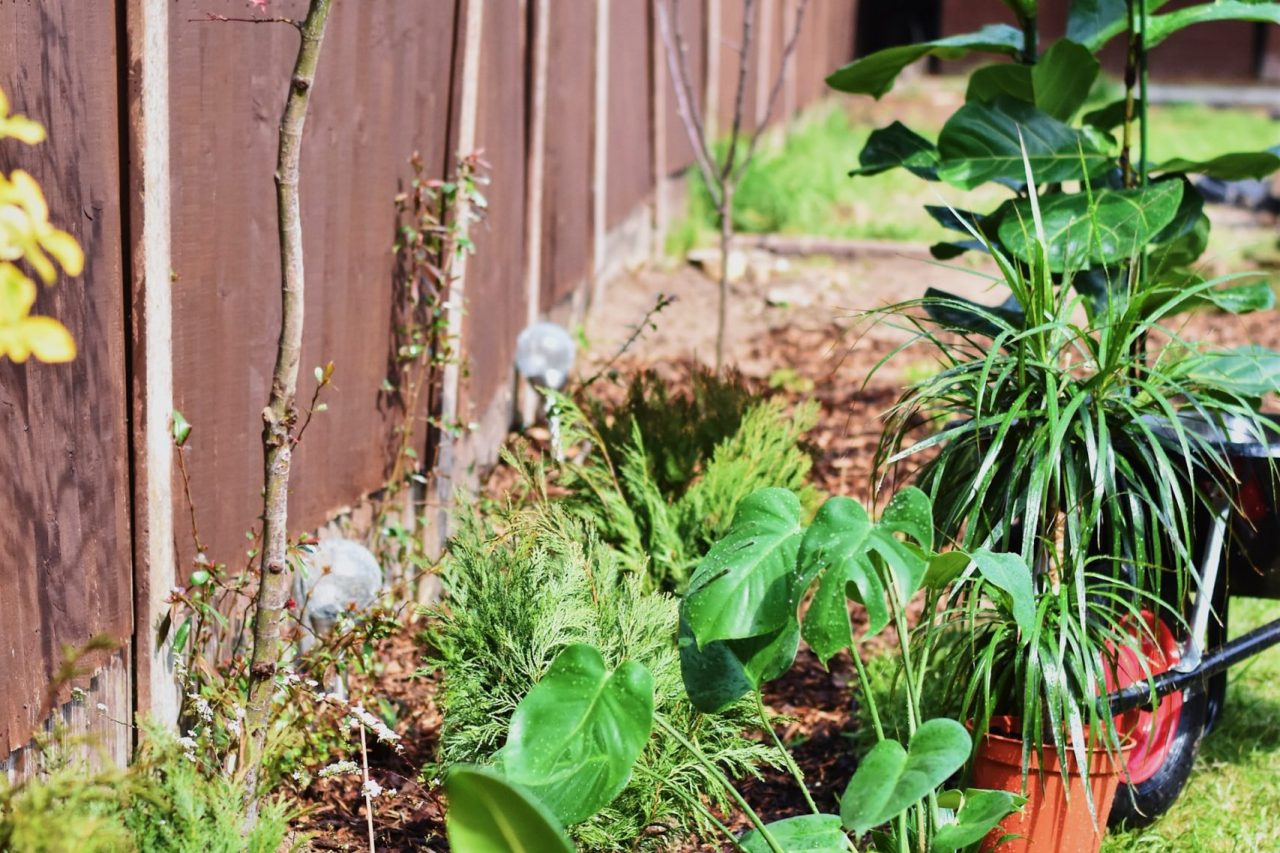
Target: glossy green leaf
[[984, 142], [1117, 225], [576, 735], [875, 74], [180, 637], [1237, 166], [744, 586], [1009, 79], [1160, 27], [721, 672], [890, 779], [979, 813], [910, 513], [1112, 115], [1249, 371], [181, 429], [965, 315], [1063, 77], [488, 814], [810, 833], [898, 146], [834, 550], [1093, 23], [1009, 573], [945, 568]]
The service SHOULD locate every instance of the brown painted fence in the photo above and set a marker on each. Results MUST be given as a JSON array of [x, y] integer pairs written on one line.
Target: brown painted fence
[[162, 128]]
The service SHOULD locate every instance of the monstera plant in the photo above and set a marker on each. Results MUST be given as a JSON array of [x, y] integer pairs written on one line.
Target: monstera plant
[[575, 737]]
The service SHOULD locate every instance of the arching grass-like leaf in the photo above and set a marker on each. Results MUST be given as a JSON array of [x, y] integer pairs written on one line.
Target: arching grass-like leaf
[[1083, 231], [875, 74], [983, 142], [891, 779], [488, 814], [744, 586], [576, 735], [809, 833]]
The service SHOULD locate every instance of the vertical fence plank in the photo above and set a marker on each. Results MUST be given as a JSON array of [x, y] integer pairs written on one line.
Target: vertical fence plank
[[64, 479]]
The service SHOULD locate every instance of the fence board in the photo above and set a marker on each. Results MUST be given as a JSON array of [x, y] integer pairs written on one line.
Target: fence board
[[64, 482], [567, 198], [382, 90], [630, 167]]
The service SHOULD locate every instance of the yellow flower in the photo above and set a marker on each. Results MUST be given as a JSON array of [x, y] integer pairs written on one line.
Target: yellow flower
[[22, 335], [25, 231], [16, 127]]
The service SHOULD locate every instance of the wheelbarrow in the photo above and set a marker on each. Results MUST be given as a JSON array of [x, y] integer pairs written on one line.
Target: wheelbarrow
[[1240, 555]]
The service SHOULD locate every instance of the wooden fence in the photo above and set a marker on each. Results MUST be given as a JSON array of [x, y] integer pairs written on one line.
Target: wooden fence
[[162, 131]]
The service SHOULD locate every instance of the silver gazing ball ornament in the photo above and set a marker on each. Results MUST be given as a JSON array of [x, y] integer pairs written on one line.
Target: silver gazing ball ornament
[[544, 356]]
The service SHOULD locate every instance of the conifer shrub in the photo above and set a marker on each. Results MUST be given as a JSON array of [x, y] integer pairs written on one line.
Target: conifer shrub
[[524, 584]]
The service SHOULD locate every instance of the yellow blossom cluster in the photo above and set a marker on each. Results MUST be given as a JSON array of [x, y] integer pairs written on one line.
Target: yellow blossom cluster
[[27, 236]]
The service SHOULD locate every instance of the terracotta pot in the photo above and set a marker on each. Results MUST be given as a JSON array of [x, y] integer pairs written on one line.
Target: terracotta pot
[[1050, 821]]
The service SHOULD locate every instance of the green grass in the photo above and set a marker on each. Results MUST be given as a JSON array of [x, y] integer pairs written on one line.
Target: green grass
[[801, 186], [1232, 802]]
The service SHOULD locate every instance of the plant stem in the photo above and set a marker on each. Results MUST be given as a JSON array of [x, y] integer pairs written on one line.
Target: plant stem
[[726, 247], [368, 800], [867, 693], [716, 774], [1130, 78], [696, 805], [1030, 41], [281, 413], [767, 725]]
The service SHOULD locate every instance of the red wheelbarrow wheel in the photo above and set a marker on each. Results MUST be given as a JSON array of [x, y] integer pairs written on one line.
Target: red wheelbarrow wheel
[[1166, 737]]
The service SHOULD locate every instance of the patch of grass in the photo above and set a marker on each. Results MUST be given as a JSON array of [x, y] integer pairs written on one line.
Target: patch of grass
[[1232, 801], [801, 184]]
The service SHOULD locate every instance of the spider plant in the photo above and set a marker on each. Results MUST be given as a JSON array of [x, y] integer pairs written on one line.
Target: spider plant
[[1068, 439]]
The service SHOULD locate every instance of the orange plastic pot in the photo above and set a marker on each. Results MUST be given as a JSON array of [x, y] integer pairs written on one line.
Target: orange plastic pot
[[1055, 818]]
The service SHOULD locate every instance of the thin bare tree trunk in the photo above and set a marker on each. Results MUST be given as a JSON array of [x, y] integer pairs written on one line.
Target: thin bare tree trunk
[[726, 247], [281, 414]]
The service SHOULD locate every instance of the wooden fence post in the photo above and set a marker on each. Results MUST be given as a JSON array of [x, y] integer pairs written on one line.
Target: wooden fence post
[[599, 152], [148, 246], [658, 111], [534, 180]]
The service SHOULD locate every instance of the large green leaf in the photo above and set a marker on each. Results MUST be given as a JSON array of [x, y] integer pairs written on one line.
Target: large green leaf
[[576, 735], [744, 586], [1009, 574], [1237, 166], [980, 810], [721, 672], [809, 833], [890, 779], [1063, 77], [488, 814], [1009, 79], [1160, 27], [1093, 23], [1112, 115], [874, 74], [834, 548], [1250, 371], [898, 146], [1081, 232], [984, 142]]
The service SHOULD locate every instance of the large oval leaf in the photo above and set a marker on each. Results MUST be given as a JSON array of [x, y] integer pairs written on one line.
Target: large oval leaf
[[894, 146], [874, 74], [721, 672], [1160, 27], [1083, 231], [809, 833], [488, 814], [1063, 77], [576, 735], [980, 810], [1009, 574], [984, 142], [1236, 166], [890, 779], [744, 586]]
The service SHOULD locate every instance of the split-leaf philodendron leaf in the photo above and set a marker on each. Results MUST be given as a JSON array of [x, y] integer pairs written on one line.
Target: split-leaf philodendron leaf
[[488, 814], [891, 779], [723, 671], [576, 735]]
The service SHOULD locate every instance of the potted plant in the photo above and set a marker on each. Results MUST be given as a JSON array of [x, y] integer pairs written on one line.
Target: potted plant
[[1070, 407]]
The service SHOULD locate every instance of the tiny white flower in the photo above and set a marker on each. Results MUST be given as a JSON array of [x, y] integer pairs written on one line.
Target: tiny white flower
[[102, 706], [338, 768], [371, 789]]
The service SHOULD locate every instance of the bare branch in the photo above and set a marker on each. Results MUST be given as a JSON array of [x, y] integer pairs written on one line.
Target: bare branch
[[744, 50], [787, 54], [684, 106], [211, 18]]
